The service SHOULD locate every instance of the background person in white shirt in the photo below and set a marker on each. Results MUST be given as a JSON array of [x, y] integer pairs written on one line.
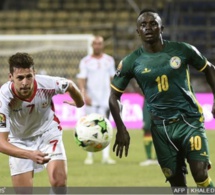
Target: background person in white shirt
[[30, 132], [96, 72]]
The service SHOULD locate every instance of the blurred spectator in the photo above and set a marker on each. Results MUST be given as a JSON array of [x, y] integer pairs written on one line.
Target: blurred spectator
[[96, 72]]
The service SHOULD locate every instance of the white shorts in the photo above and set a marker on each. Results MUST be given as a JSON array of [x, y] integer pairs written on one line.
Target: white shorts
[[49, 142]]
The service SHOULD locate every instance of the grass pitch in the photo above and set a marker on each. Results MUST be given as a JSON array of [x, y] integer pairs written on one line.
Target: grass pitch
[[126, 172]]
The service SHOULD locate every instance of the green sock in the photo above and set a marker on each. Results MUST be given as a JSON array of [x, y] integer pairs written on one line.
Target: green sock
[[147, 141], [207, 183]]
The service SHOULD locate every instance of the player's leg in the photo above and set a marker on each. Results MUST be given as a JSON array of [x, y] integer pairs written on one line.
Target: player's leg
[[147, 138], [198, 154], [106, 159], [89, 159], [57, 173], [22, 170], [178, 179], [199, 172], [23, 183], [52, 143], [171, 160], [148, 147], [147, 141]]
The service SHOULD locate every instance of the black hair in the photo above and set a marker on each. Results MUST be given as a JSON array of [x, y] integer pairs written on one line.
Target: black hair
[[147, 10], [20, 60]]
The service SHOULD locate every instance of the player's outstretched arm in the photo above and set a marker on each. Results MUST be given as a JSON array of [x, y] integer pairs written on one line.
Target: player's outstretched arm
[[11, 150], [122, 140], [75, 94], [210, 77], [82, 87]]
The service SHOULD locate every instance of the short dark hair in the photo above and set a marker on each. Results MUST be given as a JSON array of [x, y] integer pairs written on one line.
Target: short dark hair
[[147, 10], [20, 60]]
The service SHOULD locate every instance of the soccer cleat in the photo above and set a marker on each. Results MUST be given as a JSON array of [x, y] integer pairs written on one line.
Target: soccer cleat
[[88, 161], [149, 162], [109, 161]]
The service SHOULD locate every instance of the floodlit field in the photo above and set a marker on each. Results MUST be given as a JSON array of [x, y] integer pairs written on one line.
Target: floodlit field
[[126, 172]]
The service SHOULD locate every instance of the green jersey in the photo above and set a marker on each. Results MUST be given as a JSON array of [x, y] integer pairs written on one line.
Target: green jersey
[[164, 79]]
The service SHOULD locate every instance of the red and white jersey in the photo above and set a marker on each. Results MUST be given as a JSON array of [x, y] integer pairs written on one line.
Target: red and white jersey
[[98, 72], [27, 118]]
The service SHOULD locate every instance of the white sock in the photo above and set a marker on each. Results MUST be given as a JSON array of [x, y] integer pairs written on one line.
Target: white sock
[[89, 154], [105, 152]]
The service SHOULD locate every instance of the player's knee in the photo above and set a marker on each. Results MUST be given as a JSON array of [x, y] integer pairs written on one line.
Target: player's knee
[[58, 180], [200, 176], [58, 183], [178, 178], [58, 190], [199, 171]]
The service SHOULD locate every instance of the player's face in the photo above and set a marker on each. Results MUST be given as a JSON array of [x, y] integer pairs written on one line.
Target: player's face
[[23, 79], [98, 45], [149, 27]]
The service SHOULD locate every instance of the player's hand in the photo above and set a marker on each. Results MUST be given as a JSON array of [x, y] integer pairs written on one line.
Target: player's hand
[[13, 101], [87, 100], [122, 142], [39, 157], [71, 103], [213, 110]]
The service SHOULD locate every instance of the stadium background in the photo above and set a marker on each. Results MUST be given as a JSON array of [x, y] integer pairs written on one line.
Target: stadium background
[[192, 21], [185, 20]]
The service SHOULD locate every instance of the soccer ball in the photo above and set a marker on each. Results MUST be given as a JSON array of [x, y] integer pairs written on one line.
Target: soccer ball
[[93, 132]]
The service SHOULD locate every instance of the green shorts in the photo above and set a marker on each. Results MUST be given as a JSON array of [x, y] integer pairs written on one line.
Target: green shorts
[[179, 141]]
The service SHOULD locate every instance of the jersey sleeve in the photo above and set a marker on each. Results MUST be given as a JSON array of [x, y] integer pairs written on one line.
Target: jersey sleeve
[[112, 68], [61, 85], [82, 70], [4, 121], [122, 77], [196, 59]]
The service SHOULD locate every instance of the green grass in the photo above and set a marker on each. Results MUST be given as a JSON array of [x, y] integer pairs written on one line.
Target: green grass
[[126, 172]]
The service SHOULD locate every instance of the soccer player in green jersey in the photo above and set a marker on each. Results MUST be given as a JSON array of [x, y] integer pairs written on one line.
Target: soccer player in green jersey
[[161, 69]]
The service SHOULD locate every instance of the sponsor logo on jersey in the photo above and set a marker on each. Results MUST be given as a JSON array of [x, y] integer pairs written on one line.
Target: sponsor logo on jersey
[[119, 68], [44, 104], [17, 110], [203, 154], [54, 154], [2, 120], [146, 70], [175, 62], [64, 83]]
